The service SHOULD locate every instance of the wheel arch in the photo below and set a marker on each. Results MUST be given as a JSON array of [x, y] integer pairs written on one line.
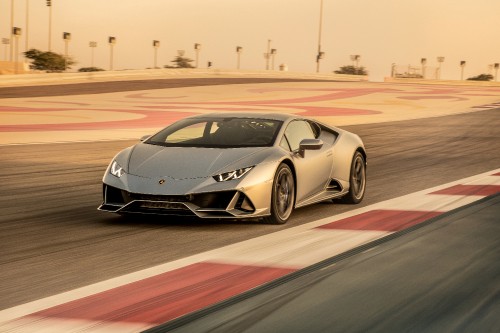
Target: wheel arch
[[363, 153], [290, 164]]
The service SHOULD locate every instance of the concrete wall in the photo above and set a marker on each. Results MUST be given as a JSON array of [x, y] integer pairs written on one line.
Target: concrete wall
[[9, 67], [443, 82], [57, 78]]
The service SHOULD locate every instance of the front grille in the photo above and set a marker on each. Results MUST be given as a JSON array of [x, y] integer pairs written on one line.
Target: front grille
[[130, 202], [156, 197], [156, 207]]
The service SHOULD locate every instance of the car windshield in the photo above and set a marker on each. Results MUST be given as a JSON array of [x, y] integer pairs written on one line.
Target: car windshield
[[218, 133]]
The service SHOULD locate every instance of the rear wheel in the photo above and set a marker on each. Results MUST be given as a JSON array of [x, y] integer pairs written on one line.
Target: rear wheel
[[357, 180], [282, 196]]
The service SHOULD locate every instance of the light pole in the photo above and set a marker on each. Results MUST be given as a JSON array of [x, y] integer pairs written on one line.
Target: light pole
[[423, 62], [16, 32], [66, 38], [92, 46], [462, 66], [5, 42], [273, 53], [440, 60], [320, 54], [112, 42], [156, 45], [197, 48], [496, 65], [49, 4], [11, 29], [267, 55], [239, 49], [355, 59], [26, 45]]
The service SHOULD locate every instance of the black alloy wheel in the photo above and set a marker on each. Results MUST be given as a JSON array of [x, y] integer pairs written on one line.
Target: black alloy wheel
[[283, 196], [357, 180]]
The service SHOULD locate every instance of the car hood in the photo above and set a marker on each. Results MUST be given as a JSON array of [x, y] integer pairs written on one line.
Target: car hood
[[148, 160]]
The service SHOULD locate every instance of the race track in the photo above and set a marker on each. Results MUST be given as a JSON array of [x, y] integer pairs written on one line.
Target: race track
[[53, 239]]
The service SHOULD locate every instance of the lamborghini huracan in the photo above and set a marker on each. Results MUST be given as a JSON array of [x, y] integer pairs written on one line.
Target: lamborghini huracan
[[236, 166]]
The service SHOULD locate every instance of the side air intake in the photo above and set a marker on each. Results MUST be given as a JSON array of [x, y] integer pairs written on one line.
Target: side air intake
[[334, 186]]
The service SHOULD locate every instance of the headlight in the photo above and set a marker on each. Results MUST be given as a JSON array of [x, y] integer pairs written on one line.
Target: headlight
[[236, 174], [116, 170]]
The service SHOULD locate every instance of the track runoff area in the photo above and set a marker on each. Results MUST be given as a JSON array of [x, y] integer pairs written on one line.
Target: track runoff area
[[151, 297]]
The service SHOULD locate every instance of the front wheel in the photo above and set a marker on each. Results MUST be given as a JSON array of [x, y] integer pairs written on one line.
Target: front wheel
[[357, 180], [282, 196]]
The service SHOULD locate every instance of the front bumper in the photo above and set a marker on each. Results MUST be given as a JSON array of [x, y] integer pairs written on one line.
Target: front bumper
[[220, 205]]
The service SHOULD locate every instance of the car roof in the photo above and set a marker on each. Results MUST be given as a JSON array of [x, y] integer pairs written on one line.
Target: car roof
[[251, 115]]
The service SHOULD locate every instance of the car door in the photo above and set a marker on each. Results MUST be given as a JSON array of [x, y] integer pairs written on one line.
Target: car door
[[314, 168]]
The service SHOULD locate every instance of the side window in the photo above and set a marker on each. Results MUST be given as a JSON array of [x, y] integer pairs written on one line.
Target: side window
[[297, 131], [284, 144]]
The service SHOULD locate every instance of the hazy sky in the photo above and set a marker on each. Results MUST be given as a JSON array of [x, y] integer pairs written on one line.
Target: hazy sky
[[381, 31]]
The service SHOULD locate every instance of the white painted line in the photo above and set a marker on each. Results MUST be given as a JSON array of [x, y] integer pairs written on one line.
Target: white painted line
[[492, 180], [54, 325], [296, 250], [425, 202]]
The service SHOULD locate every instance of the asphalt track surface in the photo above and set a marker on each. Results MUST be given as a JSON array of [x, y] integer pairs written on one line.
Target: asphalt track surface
[[440, 276], [130, 85], [53, 239]]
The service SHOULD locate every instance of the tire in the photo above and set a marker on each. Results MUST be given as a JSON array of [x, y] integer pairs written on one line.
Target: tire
[[357, 180], [282, 196]]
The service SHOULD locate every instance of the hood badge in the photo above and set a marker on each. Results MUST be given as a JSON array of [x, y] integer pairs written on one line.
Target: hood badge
[[161, 181]]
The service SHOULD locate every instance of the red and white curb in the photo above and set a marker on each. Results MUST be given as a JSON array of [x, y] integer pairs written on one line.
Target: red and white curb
[[147, 298]]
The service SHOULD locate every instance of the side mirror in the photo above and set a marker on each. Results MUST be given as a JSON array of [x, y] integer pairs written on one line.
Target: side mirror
[[145, 137], [309, 144]]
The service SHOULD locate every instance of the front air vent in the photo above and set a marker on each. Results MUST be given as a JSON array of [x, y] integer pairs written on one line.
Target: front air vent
[[244, 204], [113, 195]]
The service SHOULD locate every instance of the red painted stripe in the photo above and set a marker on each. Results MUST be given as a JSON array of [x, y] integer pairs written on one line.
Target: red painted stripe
[[381, 220], [166, 296], [483, 190], [496, 174]]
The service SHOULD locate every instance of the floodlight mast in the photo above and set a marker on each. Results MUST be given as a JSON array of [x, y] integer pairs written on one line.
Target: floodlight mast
[[462, 66], [273, 54], [197, 48], [156, 45], [92, 46], [112, 42], [267, 55], [66, 38], [440, 60], [11, 30], [49, 4], [423, 62], [26, 45], [16, 32], [320, 54], [239, 50]]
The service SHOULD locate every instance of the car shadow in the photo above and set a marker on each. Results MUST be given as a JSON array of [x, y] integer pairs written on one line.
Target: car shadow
[[145, 220]]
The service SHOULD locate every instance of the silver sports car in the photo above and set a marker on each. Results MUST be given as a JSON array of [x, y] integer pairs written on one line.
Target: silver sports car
[[237, 166]]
